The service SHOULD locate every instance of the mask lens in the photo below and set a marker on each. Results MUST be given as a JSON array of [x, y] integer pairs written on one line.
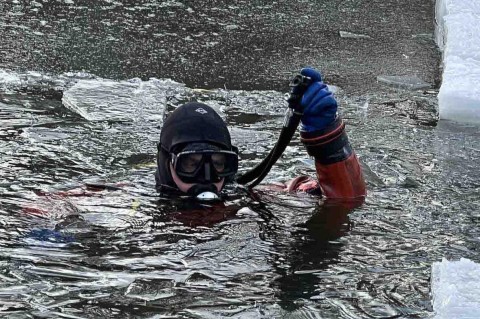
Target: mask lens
[[194, 166], [218, 161], [225, 164], [189, 163]]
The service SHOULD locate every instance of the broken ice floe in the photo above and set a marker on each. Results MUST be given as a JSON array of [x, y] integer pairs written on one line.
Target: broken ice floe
[[130, 100], [32, 81], [351, 35], [409, 82]]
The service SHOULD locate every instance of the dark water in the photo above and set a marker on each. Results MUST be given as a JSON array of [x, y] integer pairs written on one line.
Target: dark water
[[123, 252], [120, 251], [216, 43]]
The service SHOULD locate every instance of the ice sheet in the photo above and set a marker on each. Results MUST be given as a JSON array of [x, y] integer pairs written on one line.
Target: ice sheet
[[458, 36], [130, 100], [456, 289]]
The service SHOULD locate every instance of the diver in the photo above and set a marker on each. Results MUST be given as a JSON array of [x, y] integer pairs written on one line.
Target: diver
[[196, 159], [196, 156]]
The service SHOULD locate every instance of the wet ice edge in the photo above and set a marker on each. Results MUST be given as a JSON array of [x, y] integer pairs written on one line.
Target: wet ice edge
[[458, 37]]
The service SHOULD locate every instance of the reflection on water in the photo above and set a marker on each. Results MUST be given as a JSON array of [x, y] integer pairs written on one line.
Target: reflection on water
[[83, 234]]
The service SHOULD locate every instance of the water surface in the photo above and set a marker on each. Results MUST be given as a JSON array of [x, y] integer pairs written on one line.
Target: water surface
[[121, 251]]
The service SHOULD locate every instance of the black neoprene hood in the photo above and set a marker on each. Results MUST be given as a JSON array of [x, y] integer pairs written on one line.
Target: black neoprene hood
[[190, 123], [194, 123]]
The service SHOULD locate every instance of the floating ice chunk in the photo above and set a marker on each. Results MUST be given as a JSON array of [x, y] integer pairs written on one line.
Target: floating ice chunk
[[350, 35], [131, 100], [409, 82], [428, 36], [36, 81], [456, 289], [151, 289], [231, 27], [168, 3], [9, 79]]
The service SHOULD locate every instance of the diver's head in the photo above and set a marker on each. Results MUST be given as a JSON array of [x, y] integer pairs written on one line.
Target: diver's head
[[195, 154]]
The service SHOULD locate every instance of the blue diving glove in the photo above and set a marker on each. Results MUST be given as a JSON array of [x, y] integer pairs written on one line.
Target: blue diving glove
[[50, 235], [320, 107]]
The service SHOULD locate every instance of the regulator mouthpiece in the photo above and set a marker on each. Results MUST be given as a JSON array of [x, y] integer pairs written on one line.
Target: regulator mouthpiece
[[207, 196]]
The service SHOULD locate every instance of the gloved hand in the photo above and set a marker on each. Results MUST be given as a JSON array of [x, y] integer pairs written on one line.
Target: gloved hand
[[320, 107], [50, 235]]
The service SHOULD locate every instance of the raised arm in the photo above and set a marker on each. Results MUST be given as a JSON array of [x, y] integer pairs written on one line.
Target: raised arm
[[323, 134]]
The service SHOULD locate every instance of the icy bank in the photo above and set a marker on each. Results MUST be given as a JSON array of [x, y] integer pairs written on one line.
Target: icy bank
[[456, 289], [458, 36]]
